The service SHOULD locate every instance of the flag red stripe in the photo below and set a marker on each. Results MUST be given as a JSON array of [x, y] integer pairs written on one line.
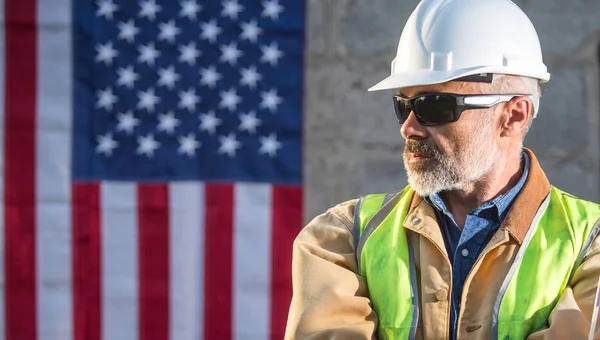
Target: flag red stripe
[[86, 262], [19, 176], [287, 222], [153, 214], [218, 261]]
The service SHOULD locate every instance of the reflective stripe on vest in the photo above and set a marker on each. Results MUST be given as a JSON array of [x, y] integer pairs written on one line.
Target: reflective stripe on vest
[[554, 246]]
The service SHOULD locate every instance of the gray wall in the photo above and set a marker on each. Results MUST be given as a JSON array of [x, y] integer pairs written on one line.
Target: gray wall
[[352, 141]]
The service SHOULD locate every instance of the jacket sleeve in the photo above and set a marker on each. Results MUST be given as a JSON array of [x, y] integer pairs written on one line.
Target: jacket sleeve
[[572, 315], [330, 300]]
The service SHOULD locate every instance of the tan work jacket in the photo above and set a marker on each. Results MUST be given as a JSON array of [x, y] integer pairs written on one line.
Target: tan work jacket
[[331, 301]]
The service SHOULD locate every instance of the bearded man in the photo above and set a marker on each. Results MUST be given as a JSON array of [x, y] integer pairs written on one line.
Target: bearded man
[[479, 245]]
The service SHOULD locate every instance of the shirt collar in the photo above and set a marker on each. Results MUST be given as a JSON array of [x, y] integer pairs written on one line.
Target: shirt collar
[[497, 207]]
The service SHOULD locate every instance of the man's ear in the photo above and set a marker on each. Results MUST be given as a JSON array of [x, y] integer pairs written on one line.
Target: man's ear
[[516, 116]]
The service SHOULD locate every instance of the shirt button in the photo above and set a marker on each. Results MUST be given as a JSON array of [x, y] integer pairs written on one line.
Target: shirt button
[[416, 220], [465, 252], [441, 295]]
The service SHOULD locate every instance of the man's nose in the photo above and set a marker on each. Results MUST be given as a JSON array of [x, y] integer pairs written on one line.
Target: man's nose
[[411, 129]]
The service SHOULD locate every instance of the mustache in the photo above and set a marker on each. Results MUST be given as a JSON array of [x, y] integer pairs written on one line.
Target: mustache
[[421, 147]]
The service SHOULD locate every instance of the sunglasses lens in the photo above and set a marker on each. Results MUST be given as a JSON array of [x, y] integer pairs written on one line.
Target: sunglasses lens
[[435, 109], [402, 109]]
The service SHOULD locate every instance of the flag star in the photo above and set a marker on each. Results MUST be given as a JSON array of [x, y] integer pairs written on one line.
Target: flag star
[[270, 100], [167, 123], [249, 122], [148, 54], [250, 77], [271, 9], [189, 53], [188, 145], [127, 122], [231, 8], [189, 9], [127, 76], [106, 99], [209, 122], [106, 53], [250, 31], [168, 31], [229, 99], [147, 145], [271, 54], [106, 144], [209, 76], [210, 30], [168, 77], [230, 53], [269, 145], [188, 99], [106, 9], [148, 100], [229, 145], [148, 9], [128, 30]]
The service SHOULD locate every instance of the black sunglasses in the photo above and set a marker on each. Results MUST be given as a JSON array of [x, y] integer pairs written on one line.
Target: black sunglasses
[[442, 108]]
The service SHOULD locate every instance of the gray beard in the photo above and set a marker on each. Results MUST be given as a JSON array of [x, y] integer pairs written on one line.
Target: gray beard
[[442, 172]]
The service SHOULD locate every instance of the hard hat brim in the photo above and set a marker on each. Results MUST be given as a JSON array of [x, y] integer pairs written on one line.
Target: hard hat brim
[[429, 77]]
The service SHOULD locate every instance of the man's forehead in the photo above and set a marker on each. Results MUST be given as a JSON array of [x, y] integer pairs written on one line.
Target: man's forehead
[[461, 87]]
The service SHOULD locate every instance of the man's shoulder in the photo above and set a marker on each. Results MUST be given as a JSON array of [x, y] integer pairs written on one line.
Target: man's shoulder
[[573, 199], [344, 211], [578, 209]]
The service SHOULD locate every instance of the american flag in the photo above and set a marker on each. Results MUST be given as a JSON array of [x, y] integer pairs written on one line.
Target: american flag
[[152, 167]]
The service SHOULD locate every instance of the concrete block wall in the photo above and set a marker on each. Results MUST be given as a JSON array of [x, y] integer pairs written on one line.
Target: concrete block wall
[[352, 141]]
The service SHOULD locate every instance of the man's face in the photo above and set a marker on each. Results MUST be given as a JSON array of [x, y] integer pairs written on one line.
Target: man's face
[[449, 156]]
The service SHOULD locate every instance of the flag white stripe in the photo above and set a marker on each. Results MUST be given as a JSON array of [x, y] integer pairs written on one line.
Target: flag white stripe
[[2, 246], [53, 157], [119, 261], [252, 250], [186, 211]]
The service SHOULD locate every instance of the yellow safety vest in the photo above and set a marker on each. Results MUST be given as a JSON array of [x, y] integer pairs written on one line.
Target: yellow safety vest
[[543, 266]]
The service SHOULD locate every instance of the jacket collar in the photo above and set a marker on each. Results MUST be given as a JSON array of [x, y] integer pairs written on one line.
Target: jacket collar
[[526, 204]]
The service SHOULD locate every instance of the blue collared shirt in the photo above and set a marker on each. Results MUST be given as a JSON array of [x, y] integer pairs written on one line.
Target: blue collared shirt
[[465, 246]]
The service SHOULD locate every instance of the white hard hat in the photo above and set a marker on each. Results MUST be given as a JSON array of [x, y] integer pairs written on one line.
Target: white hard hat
[[445, 40]]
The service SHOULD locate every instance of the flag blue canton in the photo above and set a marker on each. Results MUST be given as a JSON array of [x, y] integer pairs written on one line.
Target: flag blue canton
[[168, 90]]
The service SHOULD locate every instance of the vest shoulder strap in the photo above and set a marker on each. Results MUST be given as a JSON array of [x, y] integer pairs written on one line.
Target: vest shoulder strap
[[369, 212], [588, 208]]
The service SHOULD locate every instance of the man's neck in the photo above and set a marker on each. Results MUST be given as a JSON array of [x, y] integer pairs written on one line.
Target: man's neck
[[501, 179]]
